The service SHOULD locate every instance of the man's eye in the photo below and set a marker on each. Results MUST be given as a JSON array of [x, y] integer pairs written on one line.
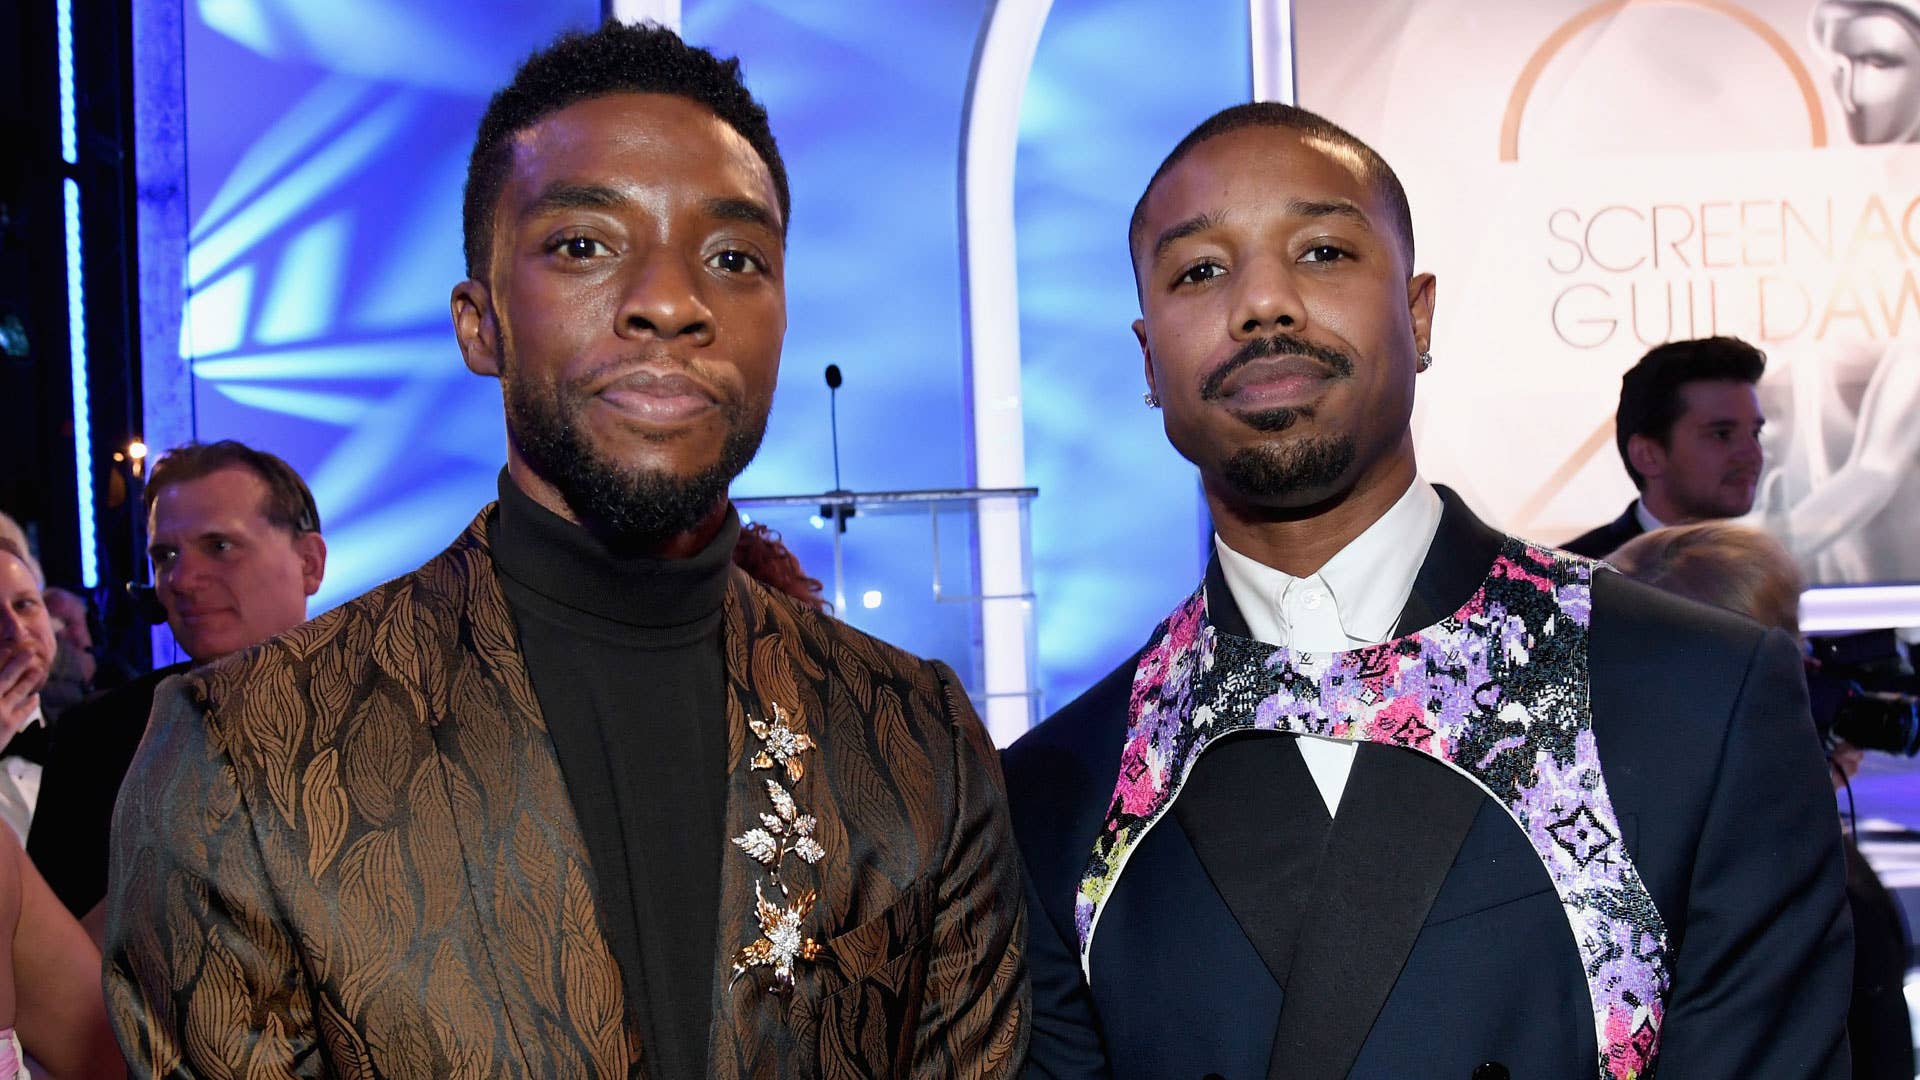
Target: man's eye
[[734, 261], [1323, 253], [580, 247], [1194, 275]]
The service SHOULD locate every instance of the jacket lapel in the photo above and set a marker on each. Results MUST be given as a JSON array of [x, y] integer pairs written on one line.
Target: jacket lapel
[[1262, 864], [522, 859], [1400, 826], [755, 1030]]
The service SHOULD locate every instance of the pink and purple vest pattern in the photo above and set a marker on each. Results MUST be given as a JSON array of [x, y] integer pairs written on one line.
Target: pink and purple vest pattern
[[1498, 691]]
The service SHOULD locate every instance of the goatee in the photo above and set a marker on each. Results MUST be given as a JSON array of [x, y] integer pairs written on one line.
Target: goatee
[[631, 510], [1271, 472]]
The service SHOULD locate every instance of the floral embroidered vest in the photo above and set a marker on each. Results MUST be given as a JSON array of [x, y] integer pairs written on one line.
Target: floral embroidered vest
[[1497, 691]]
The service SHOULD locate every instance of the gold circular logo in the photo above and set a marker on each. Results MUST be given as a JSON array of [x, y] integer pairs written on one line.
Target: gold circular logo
[[1572, 28]]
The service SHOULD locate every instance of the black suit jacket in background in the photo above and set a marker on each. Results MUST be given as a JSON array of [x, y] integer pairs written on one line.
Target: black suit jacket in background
[[87, 757], [1419, 935], [1603, 541]]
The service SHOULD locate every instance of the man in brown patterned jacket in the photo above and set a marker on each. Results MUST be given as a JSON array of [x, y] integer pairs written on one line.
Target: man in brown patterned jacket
[[578, 797]]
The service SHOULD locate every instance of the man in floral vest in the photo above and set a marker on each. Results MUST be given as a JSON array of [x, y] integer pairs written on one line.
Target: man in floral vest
[[1391, 794]]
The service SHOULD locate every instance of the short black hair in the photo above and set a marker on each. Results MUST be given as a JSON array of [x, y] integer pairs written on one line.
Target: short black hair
[[1293, 118], [289, 504], [618, 58], [1650, 402]]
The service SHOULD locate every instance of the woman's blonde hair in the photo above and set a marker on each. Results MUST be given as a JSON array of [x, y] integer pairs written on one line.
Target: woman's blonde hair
[[1731, 566]]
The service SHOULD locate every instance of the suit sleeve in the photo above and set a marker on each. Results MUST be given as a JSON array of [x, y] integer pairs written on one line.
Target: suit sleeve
[[1762, 977], [974, 1020], [1066, 1037], [202, 977]]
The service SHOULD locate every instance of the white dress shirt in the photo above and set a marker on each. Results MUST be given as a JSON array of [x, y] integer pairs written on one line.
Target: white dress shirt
[[1645, 516], [1351, 602], [19, 784]]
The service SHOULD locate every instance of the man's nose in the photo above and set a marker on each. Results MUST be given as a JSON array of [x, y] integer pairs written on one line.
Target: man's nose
[[662, 299], [1267, 301]]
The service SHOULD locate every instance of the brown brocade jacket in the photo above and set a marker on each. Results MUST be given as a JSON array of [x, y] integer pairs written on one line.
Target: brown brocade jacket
[[349, 852]]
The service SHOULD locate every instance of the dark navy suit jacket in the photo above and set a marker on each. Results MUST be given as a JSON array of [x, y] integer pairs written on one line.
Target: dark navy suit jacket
[[1598, 543], [1417, 934]]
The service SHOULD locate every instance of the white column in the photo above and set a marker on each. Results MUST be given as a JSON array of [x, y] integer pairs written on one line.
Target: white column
[[664, 12], [1271, 26], [1002, 59]]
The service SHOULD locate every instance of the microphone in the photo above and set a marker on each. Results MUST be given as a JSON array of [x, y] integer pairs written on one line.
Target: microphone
[[837, 512], [146, 603], [833, 418]]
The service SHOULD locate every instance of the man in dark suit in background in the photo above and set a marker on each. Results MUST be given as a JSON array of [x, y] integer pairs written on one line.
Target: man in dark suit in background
[[1688, 430], [234, 537], [1393, 795]]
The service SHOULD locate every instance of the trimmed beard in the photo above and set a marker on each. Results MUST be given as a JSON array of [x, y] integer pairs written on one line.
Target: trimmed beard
[[1265, 473], [630, 510]]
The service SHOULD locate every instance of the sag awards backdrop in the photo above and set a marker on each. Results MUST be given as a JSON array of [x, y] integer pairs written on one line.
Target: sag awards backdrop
[[1589, 180]]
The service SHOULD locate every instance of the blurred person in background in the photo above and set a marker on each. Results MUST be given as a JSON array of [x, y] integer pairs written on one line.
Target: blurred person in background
[[26, 659], [234, 538], [74, 664], [1745, 570], [1688, 431]]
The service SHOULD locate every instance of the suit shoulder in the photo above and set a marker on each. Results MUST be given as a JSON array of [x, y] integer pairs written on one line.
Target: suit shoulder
[[1663, 628], [341, 637], [123, 707], [1075, 753]]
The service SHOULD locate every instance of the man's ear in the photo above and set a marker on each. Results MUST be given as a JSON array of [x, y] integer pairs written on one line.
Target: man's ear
[[1648, 456], [1420, 297], [475, 328], [1146, 353], [313, 560]]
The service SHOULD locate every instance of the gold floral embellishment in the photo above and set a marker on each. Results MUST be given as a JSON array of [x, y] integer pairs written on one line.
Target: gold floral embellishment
[[782, 938], [787, 831], [783, 833], [783, 744]]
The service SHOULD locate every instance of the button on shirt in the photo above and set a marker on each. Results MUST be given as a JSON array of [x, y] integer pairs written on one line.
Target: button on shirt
[[1351, 602]]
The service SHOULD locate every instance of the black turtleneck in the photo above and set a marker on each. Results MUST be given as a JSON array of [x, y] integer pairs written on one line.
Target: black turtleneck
[[625, 658]]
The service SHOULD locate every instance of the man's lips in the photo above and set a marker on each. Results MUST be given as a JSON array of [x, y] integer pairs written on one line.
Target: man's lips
[[657, 397], [1274, 382]]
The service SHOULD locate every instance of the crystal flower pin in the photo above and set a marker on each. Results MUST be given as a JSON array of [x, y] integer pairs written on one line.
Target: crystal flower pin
[[783, 940], [782, 744]]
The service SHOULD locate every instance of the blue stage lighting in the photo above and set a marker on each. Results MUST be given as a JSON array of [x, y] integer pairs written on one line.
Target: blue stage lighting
[[82, 428], [69, 131]]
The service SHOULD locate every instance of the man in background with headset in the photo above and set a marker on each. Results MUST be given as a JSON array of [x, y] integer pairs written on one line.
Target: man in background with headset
[[234, 536]]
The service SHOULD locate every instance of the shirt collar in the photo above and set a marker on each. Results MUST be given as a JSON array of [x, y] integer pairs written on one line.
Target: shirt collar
[[36, 717], [1369, 579], [1645, 517]]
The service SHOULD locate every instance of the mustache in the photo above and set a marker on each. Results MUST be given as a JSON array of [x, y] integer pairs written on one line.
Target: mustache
[[1337, 362]]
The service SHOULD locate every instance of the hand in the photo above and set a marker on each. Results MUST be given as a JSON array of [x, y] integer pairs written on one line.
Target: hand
[[1845, 760], [21, 678]]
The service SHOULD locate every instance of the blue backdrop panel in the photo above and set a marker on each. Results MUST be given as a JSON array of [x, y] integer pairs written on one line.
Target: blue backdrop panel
[[327, 149], [865, 98], [1118, 530]]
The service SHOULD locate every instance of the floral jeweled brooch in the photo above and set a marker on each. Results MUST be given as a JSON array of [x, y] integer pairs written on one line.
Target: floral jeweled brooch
[[786, 831], [784, 745]]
